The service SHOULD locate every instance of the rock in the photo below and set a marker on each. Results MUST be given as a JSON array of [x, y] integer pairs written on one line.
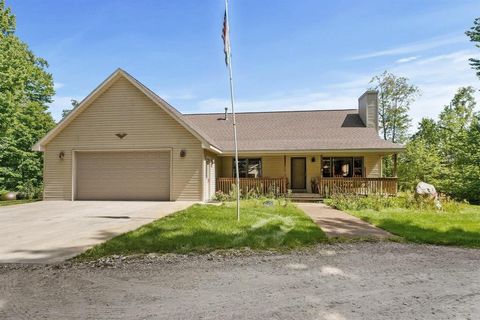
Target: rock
[[268, 203], [9, 196], [423, 188]]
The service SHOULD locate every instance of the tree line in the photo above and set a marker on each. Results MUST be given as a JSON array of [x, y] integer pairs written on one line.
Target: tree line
[[443, 152]]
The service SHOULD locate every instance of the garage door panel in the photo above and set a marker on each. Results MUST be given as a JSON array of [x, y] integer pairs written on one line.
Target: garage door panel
[[123, 175]]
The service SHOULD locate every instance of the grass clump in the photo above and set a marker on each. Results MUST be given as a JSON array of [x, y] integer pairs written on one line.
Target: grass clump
[[402, 200]]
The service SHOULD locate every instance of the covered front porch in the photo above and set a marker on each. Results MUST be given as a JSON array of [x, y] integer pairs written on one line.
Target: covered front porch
[[319, 174]]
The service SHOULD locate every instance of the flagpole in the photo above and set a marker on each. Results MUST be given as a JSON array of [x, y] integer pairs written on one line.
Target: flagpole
[[232, 102]]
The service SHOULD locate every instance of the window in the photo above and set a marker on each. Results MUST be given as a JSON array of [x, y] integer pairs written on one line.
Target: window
[[248, 168], [342, 167], [358, 167], [326, 167]]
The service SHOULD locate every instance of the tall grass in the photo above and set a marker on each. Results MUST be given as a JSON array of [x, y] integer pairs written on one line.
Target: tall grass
[[402, 200]]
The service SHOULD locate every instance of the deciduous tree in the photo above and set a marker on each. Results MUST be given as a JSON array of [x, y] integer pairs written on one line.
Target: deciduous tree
[[474, 34], [25, 89], [395, 94]]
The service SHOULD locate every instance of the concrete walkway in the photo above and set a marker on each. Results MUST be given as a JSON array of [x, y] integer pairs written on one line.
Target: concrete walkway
[[336, 223], [52, 231]]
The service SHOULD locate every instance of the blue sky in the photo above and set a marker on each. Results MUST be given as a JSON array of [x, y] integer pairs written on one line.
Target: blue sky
[[289, 54]]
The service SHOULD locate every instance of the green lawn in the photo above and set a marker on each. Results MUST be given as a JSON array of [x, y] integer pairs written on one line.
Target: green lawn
[[444, 228], [203, 228], [12, 202]]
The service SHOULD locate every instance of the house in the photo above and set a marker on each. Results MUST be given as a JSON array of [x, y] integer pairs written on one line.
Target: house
[[123, 142]]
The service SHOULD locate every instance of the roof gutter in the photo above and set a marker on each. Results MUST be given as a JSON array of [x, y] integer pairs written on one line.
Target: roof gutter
[[317, 151], [215, 149]]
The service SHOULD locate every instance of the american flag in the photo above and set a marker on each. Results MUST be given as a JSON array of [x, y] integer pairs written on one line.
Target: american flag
[[226, 38]]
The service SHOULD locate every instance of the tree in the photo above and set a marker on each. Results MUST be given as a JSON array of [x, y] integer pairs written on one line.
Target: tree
[[419, 162], [445, 152], [66, 112], [395, 97], [474, 35], [25, 90], [458, 144]]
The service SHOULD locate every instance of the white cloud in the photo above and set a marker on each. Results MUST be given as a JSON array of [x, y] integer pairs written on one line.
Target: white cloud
[[438, 78], [414, 47], [407, 59], [59, 104], [58, 85], [288, 101]]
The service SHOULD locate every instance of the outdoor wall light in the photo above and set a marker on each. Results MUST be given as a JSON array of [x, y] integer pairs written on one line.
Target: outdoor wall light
[[61, 155], [313, 159], [183, 153]]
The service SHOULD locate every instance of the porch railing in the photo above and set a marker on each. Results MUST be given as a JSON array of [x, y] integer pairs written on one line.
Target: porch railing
[[261, 185], [325, 187], [359, 186]]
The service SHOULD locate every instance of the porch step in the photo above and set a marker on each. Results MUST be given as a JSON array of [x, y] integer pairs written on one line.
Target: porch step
[[305, 197]]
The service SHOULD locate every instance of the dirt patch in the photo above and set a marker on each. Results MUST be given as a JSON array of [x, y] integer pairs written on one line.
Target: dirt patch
[[342, 281]]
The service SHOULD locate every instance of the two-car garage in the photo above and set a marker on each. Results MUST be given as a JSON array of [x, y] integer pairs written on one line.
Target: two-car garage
[[122, 175]]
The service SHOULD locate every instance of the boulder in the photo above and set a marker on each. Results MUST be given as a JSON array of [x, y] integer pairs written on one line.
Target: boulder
[[9, 196], [424, 188], [428, 190]]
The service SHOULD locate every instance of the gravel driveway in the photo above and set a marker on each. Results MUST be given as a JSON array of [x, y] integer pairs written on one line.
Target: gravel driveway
[[343, 281]]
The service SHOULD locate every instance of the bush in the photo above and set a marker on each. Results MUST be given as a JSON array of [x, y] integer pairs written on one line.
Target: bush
[[30, 191], [253, 193], [402, 200]]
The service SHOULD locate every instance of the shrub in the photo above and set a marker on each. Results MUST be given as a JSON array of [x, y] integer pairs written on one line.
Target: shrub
[[251, 194], [30, 191], [220, 196], [402, 200]]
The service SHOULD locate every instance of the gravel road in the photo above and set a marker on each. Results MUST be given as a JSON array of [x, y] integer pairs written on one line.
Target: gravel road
[[381, 280]]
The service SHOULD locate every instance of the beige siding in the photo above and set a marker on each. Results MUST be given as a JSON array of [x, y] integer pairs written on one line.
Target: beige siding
[[273, 166], [122, 108], [368, 109], [227, 163], [373, 165]]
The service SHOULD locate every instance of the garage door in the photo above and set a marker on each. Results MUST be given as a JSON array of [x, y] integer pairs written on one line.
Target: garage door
[[123, 175]]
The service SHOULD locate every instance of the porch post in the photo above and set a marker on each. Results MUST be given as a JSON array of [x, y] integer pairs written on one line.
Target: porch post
[[395, 159]]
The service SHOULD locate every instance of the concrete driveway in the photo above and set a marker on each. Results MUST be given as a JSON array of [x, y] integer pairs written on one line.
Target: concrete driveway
[[52, 231]]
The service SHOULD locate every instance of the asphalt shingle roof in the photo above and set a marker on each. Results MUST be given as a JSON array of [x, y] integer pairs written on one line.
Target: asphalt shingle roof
[[291, 130]]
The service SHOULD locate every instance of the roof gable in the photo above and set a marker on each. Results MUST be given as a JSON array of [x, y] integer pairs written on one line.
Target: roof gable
[[105, 85]]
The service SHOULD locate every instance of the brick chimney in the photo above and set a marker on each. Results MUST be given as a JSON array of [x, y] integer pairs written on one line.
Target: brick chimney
[[368, 109]]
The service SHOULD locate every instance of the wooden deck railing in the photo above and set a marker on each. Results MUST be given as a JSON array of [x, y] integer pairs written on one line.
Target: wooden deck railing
[[261, 185], [359, 186], [326, 186]]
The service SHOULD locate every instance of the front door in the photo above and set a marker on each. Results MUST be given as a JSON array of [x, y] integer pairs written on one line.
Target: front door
[[299, 174]]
